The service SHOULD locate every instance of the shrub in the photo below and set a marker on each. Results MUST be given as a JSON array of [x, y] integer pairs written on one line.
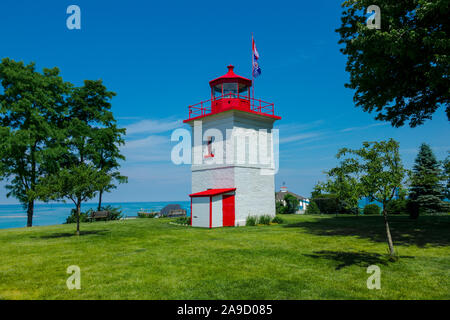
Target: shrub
[[183, 220], [291, 203], [251, 221], [278, 220], [280, 209], [397, 206], [312, 208], [413, 209], [264, 219], [328, 204], [146, 215], [114, 213], [372, 209], [84, 216]]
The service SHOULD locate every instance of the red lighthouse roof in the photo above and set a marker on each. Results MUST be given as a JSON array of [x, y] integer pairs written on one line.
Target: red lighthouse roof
[[230, 77], [231, 92]]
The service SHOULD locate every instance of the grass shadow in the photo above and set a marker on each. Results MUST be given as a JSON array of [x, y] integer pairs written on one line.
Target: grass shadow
[[346, 259], [72, 234], [427, 230]]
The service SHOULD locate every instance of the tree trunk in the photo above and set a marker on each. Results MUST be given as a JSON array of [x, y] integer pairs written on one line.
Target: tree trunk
[[30, 210], [78, 217], [100, 200], [388, 232]]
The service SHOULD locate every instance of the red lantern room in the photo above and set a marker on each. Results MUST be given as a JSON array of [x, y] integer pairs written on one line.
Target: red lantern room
[[228, 92]]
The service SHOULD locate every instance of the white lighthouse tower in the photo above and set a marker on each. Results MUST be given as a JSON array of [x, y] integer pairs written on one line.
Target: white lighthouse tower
[[233, 165]]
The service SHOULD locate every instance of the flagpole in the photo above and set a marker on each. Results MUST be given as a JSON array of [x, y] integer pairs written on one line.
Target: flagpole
[[253, 78]]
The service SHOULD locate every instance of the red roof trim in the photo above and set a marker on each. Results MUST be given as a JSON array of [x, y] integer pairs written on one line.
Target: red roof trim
[[211, 192], [249, 111]]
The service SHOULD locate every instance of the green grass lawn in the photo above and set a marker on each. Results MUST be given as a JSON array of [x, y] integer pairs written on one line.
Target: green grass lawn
[[308, 257]]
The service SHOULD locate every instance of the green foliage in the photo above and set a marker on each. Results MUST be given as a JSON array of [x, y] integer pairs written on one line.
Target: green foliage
[[376, 171], [343, 184], [426, 191], [84, 216], [328, 204], [31, 111], [371, 209], [280, 208], [115, 213], [77, 183], [146, 215], [312, 208], [378, 167], [410, 48], [291, 203], [264, 219], [397, 206], [93, 136], [251, 221], [290, 207], [446, 177], [107, 155], [183, 220], [47, 125], [278, 220]]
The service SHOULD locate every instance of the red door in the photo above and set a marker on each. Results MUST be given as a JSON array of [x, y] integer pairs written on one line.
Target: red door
[[228, 210]]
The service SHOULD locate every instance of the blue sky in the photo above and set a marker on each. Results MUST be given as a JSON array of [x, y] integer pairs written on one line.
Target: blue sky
[[159, 56]]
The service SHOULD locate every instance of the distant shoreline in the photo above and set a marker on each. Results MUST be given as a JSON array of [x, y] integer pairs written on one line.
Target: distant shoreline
[[46, 214]]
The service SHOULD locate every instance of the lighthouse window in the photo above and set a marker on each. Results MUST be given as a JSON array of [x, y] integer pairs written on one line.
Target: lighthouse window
[[209, 153], [243, 91], [217, 90], [230, 89]]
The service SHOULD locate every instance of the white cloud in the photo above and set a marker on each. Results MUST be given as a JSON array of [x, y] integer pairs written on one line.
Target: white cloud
[[153, 126], [363, 127], [301, 136], [148, 142]]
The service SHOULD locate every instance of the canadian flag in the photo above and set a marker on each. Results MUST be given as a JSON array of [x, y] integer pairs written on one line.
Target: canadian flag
[[256, 70]]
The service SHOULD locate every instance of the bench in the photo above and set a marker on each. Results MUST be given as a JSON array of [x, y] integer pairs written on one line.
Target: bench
[[176, 213], [99, 215]]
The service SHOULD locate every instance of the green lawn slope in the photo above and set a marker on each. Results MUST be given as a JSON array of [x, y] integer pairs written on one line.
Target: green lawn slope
[[308, 257]]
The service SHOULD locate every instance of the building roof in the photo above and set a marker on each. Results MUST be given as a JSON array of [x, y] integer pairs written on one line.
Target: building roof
[[211, 192], [230, 76], [280, 195]]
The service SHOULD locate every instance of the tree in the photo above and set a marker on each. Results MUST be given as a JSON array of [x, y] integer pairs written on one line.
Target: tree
[[77, 183], [446, 170], [288, 205], [426, 191], [93, 135], [291, 203], [400, 71], [91, 147], [340, 192], [312, 208], [344, 183], [107, 155], [380, 174], [31, 111]]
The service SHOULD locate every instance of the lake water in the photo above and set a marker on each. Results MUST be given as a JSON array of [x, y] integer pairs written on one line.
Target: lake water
[[14, 216]]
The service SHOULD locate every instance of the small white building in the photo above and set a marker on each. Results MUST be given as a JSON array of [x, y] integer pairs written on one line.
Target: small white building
[[233, 163], [302, 201]]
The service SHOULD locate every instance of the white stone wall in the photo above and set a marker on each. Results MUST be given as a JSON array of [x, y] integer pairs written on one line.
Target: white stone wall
[[255, 194]]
